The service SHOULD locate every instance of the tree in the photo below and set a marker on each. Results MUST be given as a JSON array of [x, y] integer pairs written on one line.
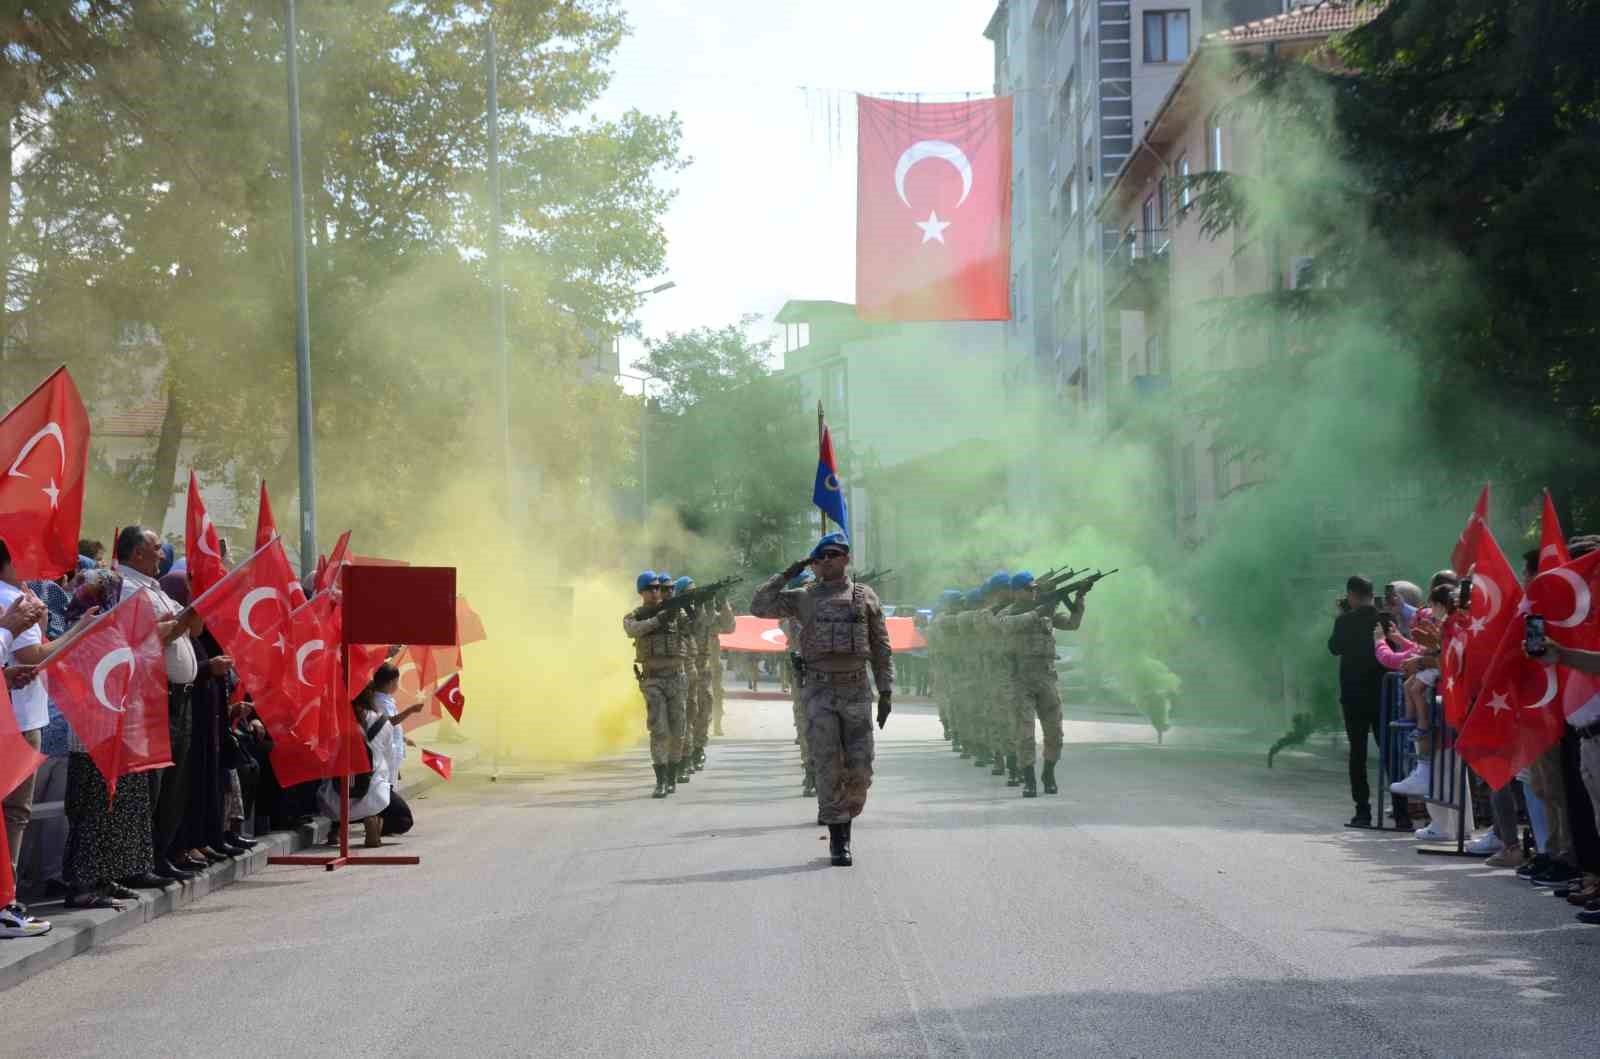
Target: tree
[[158, 192], [724, 448]]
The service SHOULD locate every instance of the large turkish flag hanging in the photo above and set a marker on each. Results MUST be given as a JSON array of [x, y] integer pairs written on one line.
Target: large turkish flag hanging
[[933, 210]]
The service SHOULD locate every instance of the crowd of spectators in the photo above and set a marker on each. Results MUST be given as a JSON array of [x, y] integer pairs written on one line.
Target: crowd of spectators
[[165, 825], [1545, 825]]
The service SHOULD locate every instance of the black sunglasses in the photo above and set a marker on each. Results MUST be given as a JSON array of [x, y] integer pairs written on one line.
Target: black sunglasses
[[831, 555]]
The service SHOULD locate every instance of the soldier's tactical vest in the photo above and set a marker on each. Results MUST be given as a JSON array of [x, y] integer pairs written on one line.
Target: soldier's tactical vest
[[668, 643], [706, 635], [838, 625]]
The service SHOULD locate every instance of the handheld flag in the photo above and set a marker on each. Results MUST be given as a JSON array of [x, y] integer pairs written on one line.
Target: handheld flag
[[449, 693], [437, 762], [18, 761], [1552, 542], [1466, 549], [828, 492], [201, 548], [44, 450]]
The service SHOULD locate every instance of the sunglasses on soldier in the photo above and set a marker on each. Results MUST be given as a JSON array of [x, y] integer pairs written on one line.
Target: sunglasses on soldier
[[831, 555]]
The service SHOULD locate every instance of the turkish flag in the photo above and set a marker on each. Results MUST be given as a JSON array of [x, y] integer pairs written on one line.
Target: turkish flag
[[415, 680], [437, 762], [760, 635], [1564, 596], [110, 683], [1516, 718], [1496, 606], [1552, 542], [469, 627], [933, 210], [904, 634], [266, 529], [449, 693], [248, 614], [364, 661], [1452, 665], [201, 546], [1466, 549], [18, 761], [328, 574], [309, 715], [44, 447]]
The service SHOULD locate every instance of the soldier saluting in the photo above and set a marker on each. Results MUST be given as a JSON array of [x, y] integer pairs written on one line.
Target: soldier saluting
[[842, 629]]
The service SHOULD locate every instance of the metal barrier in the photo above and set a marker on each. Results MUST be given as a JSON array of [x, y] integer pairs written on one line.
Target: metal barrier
[[1448, 786]]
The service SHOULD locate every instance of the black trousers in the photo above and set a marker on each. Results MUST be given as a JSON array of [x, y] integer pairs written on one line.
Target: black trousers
[[1580, 811], [396, 815], [1361, 720], [169, 787]]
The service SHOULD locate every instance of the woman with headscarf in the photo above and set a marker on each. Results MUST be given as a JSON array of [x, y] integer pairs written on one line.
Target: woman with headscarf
[[109, 852]]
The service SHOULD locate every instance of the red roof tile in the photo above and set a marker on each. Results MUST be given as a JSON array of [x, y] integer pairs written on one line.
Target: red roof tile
[[1308, 20], [140, 422]]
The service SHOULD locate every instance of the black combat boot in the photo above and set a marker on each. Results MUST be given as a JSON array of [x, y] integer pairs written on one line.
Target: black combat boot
[[839, 845], [1049, 777], [946, 728], [980, 757], [1013, 777], [700, 759], [963, 746], [808, 786], [849, 827], [955, 742], [685, 769], [671, 769], [1030, 785], [661, 781]]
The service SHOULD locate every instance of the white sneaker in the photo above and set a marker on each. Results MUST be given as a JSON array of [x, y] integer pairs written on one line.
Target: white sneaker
[[16, 923], [1431, 833], [1415, 785], [1486, 844]]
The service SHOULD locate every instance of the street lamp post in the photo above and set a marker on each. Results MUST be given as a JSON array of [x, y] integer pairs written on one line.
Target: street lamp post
[[496, 273], [302, 311], [644, 411]]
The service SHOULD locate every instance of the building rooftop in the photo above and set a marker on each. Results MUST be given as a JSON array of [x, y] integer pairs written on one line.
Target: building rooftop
[[799, 311], [139, 422], [1308, 20]]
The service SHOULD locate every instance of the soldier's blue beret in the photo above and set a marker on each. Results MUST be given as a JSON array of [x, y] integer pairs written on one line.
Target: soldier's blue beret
[[644, 581]]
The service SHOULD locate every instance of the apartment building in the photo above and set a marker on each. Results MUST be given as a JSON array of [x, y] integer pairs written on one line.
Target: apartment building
[[1085, 76], [1164, 278]]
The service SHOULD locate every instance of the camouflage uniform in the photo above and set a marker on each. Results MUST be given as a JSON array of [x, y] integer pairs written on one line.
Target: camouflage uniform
[[936, 666], [707, 651], [1036, 691], [998, 688], [791, 634], [842, 629], [660, 651], [969, 721]]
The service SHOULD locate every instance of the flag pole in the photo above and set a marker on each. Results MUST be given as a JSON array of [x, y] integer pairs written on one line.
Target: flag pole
[[820, 428]]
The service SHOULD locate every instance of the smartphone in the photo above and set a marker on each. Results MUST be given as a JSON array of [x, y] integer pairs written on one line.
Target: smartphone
[[1464, 596], [1533, 637], [1386, 620]]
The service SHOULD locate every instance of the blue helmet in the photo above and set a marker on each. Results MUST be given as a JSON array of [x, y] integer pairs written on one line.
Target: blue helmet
[[975, 596], [949, 596], [683, 584], [645, 580], [1022, 579], [663, 579], [997, 582], [802, 579], [831, 540]]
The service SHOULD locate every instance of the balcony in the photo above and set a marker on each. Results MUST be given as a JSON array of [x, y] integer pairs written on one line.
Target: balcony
[[1137, 270]]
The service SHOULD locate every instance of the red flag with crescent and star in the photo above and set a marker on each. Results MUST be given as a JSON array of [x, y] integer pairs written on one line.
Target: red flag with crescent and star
[[1552, 542], [201, 548], [1466, 549], [18, 761], [266, 529], [44, 449], [1564, 596], [308, 717], [248, 611], [933, 209], [437, 762], [1516, 718], [110, 683], [1496, 606], [449, 693]]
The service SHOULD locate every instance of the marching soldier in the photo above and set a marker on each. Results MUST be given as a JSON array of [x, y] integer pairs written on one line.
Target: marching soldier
[[705, 623], [842, 629], [659, 653], [1037, 692], [791, 635]]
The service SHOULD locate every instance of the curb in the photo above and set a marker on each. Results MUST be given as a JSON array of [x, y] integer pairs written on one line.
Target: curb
[[79, 930]]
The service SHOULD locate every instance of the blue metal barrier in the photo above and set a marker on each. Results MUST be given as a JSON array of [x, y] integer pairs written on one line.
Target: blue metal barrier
[[1447, 786]]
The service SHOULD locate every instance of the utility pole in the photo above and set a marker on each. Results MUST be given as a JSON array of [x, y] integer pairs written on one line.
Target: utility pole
[[496, 273], [302, 310]]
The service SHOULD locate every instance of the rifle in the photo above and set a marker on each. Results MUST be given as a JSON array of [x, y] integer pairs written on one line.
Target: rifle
[[1047, 583], [1059, 595], [872, 576], [696, 596]]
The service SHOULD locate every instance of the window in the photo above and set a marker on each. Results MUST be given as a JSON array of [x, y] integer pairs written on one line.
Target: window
[[1166, 36], [1188, 488], [1185, 195], [1147, 219], [1214, 143]]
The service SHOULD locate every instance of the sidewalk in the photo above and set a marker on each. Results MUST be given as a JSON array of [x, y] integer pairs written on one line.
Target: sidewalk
[[74, 931]]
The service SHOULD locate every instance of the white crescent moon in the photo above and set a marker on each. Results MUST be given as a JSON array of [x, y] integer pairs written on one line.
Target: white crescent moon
[[205, 530], [51, 429], [119, 656], [307, 649], [1487, 586], [948, 152], [1549, 689], [454, 698], [1580, 595], [775, 636], [247, 604]]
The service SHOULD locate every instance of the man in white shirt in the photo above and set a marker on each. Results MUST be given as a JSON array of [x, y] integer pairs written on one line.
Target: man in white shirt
[[138, 558], [20, 625]]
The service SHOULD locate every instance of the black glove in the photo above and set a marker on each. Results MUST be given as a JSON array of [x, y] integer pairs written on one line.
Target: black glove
[[792, 571], [883, 711]]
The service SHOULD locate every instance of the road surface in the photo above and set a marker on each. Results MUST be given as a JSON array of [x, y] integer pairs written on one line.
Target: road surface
[[1169, 902]]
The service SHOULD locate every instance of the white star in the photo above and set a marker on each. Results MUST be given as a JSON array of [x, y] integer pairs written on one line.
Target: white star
[[1477, 626], [281, 644], [1526, 606], [52, 492], [933, 228], [1497, 703]]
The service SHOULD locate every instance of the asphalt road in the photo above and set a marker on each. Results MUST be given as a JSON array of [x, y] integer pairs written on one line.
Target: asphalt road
[[1169, 902]]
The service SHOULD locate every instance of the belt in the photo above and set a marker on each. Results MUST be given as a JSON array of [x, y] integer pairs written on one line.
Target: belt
[[848, 676], [1589, 731]]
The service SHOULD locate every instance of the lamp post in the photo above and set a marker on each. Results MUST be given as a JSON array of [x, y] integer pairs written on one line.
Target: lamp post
[[644, 411], [302, 311], [496, 274]]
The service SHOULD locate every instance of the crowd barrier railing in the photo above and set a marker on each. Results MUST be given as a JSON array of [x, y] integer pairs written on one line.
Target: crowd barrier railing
[[1448, 786]]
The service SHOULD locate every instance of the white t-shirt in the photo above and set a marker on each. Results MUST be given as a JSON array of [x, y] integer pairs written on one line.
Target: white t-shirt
[[397, 736], [31, 703], [182, 666]]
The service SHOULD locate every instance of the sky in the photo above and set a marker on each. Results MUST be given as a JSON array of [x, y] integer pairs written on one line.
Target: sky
[[765, 91]]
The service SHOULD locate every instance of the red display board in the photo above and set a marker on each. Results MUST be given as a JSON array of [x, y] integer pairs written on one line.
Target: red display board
[[400, 604]]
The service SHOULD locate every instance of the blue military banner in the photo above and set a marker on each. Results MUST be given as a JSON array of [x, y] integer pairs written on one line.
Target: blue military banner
[[828, 493]]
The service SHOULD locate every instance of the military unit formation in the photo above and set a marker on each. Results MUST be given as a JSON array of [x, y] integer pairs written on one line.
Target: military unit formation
[[992, 651]]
